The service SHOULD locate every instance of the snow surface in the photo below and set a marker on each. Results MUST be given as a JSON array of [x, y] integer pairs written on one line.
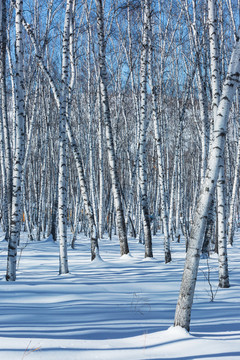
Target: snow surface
[[115, 307]]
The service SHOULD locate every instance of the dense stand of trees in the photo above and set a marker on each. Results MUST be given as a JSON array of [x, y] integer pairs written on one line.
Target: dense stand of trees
[[121, 116]]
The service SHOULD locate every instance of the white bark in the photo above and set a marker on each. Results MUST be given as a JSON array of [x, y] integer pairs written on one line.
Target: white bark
[[173, 189], [101, 167], [178, 204], [185, 300], [62, 181], [196, 45], [6, 158], [158, 141], [91, 146], [214, 53], [221, 191], [136, 101], [122, 234], [143, 130], [18, 156], [41, 202], [222, 230], [26, 159], [84, 192], [231, 220]]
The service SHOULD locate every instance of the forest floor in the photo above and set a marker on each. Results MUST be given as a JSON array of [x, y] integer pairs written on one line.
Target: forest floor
[[114, 308]]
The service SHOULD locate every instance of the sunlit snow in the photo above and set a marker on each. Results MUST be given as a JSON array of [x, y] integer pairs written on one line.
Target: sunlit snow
[[114, 307]]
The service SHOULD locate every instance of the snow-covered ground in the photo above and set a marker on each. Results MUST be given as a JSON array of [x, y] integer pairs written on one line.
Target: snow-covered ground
[[117, 308]]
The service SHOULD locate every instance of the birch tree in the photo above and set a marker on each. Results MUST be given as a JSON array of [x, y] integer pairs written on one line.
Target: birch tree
[[122, 233], [19, 151], [143, 123], [232, 207], [185, 300], [62, 182], [158, 141], [221, 191], [3, 115]]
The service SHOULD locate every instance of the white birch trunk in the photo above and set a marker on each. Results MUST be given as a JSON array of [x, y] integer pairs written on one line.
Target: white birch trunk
[[178, 205], [18, 156], [130, 61], [143, 130], [222, 230], [158, 141], [26, 159], [221, 191], [6, 164], [185, 300], [43, 187], [130, 195], [76, 218], [172, 196], [214, 53], [8, 146], [122, 234], [84, 192], [62, 181], [231, 219], [101, 199], [101, 167], [90, 120], [201, 85]]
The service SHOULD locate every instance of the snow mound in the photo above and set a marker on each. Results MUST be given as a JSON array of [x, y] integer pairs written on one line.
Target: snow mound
[[98, 261], [126, 257], [177, 332]]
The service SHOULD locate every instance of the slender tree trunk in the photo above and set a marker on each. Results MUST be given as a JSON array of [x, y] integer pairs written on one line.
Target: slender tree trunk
[[62, 182], [91, 141], [158, 141], [222, 226], [143, 130], [18, 156], [85, 195], [5, 150], [178, 205], [221, 191], [173, 190], [232, 212], [26, 159], [122, 234], [101, 168]]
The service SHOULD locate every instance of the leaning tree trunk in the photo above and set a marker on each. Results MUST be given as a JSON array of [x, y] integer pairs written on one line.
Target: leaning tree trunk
[[85, 195], [122, 233], [185, 300], [18, 155]]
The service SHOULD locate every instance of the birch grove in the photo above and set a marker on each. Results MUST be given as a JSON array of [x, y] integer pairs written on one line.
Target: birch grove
[[121, 118]]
